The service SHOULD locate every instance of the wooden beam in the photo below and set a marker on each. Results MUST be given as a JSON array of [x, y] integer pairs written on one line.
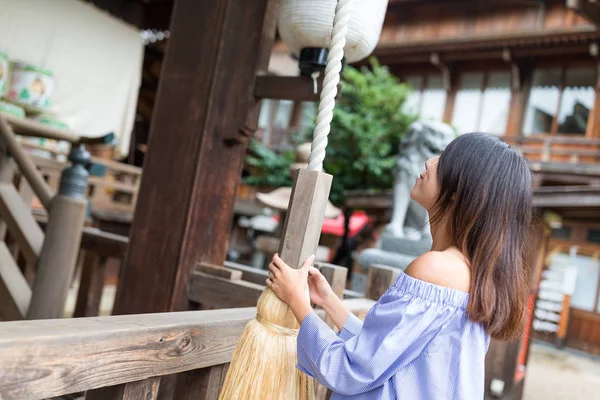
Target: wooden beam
[[588, 9], [249, 274], [213, 291], [221, 272], [48, 358], [21, 223], [296, 88], [15, 293], [207, 85]]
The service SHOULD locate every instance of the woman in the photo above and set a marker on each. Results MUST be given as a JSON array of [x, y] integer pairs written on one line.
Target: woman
[[427, 336]]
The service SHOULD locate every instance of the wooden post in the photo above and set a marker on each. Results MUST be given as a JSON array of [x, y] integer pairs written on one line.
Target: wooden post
[[91, 285], [305, 215], [451, 91], [522, 80], [195, 163], [380, 278], [61, 244], [201, 384]]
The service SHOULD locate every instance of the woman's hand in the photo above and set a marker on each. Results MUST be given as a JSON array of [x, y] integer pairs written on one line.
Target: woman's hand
[[320, 290], [288, 284]]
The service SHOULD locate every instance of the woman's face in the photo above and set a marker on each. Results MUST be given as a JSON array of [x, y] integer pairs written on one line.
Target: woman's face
[[426, 188]]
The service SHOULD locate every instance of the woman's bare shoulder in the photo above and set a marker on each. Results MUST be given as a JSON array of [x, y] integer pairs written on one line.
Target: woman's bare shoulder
[[447, 268]]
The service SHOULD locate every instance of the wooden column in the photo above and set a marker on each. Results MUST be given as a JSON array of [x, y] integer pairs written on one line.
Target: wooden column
[[452, 84], [593, 123], [58, 257], [522, 79], [196, 148]]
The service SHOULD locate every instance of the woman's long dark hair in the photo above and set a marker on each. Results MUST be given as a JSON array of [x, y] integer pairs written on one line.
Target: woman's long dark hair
[[486, 194]]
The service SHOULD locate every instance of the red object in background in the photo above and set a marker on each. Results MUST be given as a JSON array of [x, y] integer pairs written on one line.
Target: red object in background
[[335, 226]]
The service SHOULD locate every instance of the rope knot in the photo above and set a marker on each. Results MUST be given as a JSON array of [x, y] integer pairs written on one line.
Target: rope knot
[[276, 329]]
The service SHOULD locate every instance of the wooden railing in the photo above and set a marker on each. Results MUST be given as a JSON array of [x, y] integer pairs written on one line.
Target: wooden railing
[[123, 357], [562, 149], [37, 285]]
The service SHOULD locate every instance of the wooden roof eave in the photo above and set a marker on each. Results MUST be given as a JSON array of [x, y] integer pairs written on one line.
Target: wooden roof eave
[[416, 50]]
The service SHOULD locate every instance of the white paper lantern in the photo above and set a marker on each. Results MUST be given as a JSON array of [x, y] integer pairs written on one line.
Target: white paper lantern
[[308, 23]]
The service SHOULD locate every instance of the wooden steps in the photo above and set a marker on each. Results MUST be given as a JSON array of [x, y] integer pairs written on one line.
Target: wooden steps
[[15, 293], [21, 223]]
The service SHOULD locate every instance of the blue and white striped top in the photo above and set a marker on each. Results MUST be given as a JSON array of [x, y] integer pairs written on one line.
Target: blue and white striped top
[[416, 343]]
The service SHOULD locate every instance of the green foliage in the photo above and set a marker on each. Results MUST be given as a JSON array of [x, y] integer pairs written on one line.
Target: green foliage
[[267, 167], [368, 124]]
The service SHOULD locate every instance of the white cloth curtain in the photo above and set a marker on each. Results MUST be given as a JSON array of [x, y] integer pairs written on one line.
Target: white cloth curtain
[[96, 60]]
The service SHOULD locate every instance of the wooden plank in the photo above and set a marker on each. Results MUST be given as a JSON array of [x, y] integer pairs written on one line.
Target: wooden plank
[[48, 358], [15, 293], [21, 223], [206, 85], [221, 272], [146, 389], [218, 292], [380, 278], [249, 274], [91, 285], [201, 384]]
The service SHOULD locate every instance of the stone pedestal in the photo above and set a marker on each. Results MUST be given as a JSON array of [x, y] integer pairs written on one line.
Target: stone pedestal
[[394, 251]]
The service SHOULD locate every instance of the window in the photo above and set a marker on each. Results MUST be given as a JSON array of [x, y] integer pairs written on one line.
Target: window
[[593, 236], [561, 233], [586, 283], [560, 101], [428, 98], [482, 102]]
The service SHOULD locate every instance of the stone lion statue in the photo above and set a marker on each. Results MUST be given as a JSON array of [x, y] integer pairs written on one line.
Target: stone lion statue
[[423, 141]]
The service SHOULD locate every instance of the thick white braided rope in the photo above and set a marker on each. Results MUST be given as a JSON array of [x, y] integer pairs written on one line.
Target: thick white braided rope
[[330, 83]]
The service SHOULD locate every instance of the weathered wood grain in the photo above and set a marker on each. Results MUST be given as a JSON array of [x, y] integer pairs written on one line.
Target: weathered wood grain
[[380, 278], [201, 384], [191, 171], [47, 358], [304, 217], [146, 389], [209, 290]]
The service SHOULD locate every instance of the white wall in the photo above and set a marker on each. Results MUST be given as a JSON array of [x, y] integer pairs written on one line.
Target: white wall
[[96, 60]]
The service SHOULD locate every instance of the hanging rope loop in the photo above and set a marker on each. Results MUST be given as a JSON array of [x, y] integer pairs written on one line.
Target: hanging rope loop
[[330, 84]]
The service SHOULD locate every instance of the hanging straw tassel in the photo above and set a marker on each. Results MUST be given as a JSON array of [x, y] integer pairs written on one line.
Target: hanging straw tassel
[[264, 363]]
